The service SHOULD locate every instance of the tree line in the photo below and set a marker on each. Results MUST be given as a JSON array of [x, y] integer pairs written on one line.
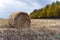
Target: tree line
[[49, 11]]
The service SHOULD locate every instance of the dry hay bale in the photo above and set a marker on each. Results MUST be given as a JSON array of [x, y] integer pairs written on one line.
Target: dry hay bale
[[19, 20]]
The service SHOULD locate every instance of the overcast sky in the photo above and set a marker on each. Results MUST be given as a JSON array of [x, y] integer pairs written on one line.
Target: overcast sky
[[7, 7]]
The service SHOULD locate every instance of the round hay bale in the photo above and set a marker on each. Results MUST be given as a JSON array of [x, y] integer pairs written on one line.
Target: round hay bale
[[19, 20]]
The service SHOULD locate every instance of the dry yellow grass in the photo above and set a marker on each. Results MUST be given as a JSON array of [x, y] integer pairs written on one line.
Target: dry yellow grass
[[41, 29]]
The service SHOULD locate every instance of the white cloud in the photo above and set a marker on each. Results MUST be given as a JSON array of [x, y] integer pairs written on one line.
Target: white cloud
[[3, 3], [54, 0], [18, 5], [9, 6], [57, 0]]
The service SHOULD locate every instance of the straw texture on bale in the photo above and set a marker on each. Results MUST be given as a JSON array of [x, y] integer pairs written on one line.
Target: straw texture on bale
[[19, 20]]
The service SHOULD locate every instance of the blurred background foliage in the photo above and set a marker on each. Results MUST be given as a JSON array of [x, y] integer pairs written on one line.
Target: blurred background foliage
[[49, 11]]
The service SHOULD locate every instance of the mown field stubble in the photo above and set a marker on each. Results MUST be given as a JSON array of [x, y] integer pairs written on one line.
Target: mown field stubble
[[48, 29], [46, 23], [40, 29]]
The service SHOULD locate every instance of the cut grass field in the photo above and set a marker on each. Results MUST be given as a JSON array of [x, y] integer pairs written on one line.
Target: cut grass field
[[48, 23], [41, 29], [48, 29], [3, 21]]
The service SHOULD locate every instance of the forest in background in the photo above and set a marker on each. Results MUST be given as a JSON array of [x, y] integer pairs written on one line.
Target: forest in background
[[49, 11]]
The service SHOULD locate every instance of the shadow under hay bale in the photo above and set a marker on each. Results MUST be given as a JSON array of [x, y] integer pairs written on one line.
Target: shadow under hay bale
[[19, 20]]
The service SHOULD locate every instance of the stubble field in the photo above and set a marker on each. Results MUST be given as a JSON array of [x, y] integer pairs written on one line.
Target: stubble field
[[40, 29]]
